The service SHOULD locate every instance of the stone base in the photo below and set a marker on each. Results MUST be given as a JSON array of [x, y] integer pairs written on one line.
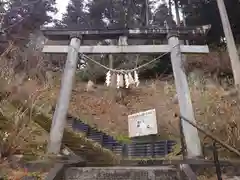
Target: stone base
[[122, 173]]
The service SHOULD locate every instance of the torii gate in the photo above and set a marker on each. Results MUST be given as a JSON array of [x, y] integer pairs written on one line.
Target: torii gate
[[76, 37]]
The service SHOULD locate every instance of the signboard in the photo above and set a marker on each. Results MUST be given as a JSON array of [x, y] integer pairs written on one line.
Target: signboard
[[142, 123]]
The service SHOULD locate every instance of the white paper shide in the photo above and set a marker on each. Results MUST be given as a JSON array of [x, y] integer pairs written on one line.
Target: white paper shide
[[123, 79]]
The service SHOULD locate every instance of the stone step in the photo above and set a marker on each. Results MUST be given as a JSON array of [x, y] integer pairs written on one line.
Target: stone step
[[69, 123], [231, 178], [122, 173]]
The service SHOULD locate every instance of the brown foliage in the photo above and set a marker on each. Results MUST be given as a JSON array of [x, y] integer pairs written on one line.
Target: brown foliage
[[212, 63]]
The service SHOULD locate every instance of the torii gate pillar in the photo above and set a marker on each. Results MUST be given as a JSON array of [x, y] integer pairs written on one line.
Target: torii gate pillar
[[59, 118], [192, 139]]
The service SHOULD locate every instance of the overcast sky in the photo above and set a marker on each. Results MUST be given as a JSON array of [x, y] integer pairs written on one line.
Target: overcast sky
[[61, 6]]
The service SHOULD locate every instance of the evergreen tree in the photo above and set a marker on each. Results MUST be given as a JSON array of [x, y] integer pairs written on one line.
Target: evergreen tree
[[22, 18], [76, 16], [201, 12], [162, 14], [96, 13], [19, 19]]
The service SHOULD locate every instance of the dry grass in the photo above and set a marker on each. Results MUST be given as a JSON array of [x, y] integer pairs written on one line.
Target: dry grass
[[77, 142], [19, 136], [20, 132], [215, 62], [215, 111], [218, 113]]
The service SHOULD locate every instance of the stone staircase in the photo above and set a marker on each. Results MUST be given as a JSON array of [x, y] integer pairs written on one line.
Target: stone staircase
[[120, 172], [77, 143], [231, 178], [131, 149], [162, 172], [82, 146], [123, 173]]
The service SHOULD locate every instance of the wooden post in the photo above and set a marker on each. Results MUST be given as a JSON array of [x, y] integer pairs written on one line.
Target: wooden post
[[178, 21], [110, 57], [113, 79], [59, 118], [146, 13], [232, 49], [185, 24], [190, 133], [177, 13], [110, 61]]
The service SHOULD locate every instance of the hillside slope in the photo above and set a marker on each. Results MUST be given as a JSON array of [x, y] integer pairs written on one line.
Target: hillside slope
[[104, 109]]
